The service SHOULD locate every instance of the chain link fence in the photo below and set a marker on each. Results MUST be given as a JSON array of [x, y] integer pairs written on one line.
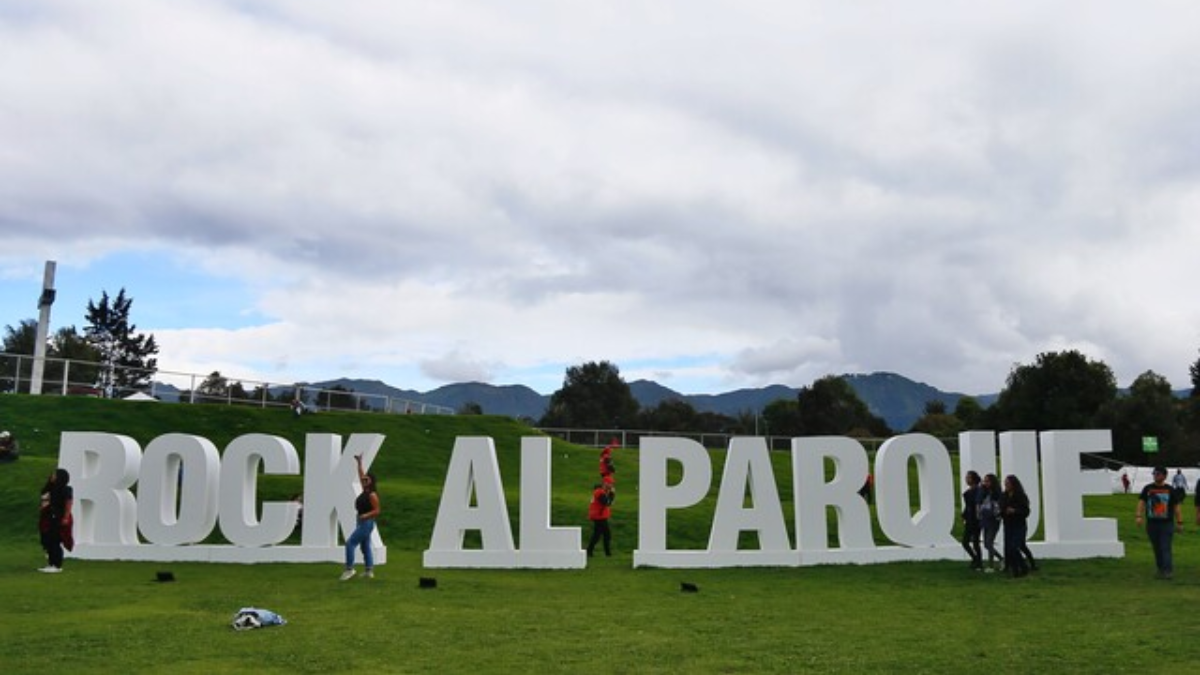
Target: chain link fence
[[627, 438], [73, 377]]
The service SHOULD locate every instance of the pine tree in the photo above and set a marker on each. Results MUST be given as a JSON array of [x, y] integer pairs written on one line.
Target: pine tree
[[126, 356]]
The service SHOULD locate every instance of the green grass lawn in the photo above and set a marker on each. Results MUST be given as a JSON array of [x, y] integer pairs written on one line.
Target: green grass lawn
[[1097, 616]]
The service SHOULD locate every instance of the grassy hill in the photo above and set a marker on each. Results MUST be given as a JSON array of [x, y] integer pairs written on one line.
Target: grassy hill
[[1072, 616], [411, 465]]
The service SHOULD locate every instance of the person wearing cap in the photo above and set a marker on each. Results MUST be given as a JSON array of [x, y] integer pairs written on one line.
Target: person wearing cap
[[9, 451], [1158, 506]]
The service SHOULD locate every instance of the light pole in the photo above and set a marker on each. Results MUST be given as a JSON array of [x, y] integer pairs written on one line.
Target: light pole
[[43, 329]]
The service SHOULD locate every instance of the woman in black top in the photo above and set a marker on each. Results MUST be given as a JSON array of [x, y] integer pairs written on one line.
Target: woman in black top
[[1014, 509], [367, 509], [55, 518], [970, 518]]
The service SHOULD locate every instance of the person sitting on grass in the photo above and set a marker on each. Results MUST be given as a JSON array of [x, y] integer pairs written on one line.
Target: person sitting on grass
[[55, 521], [9, 449]]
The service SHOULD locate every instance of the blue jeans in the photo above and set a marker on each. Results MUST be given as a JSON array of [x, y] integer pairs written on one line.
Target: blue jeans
[[1161, 532], [991, 527], [361, 538]]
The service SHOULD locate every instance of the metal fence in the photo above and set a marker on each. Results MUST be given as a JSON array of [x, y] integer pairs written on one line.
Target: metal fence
[[628, 438], [74, 377]]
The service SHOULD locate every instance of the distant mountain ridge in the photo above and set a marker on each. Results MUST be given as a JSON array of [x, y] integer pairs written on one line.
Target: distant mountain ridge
[[897, 399]]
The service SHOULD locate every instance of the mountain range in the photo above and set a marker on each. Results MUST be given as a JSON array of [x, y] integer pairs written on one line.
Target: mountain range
[[897, 399]]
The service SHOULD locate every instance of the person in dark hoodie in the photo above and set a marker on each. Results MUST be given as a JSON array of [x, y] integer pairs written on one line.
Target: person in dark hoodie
[[1014, 510], [970, 517], [54, 520]]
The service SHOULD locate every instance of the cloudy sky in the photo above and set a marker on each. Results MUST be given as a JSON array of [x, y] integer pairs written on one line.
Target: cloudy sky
[[713, 195]]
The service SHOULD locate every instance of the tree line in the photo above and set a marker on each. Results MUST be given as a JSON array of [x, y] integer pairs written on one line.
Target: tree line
[[108, 358], [1059, 390]]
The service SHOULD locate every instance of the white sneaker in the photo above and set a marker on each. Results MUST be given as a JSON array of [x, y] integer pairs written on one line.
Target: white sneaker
[[348, 574], [50, 569], [369, 574]]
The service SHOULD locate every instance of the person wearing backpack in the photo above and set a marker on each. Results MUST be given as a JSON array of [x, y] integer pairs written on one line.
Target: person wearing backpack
[[1158, 505], [989, 518]]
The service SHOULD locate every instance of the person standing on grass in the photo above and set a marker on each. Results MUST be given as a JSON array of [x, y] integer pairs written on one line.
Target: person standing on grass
[[867, 488], [1197, 492], [367, 509], [970, 518], [54, 521], [1014, 510], [1179, 482], [607, 469], [989, 518], [599, 511], [1158, 505]]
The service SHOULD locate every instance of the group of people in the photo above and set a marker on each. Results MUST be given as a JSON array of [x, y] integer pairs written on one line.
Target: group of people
[[986, 506], [604, 493]]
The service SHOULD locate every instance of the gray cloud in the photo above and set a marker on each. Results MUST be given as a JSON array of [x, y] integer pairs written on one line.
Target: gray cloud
[[455, 366], [779, 191]]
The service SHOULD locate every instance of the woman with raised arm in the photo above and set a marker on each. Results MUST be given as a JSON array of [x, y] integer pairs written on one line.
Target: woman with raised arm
[[366, 508]]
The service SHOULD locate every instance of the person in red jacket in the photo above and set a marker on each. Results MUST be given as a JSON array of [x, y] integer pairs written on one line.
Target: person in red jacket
[[599, 511], [606, 464]]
